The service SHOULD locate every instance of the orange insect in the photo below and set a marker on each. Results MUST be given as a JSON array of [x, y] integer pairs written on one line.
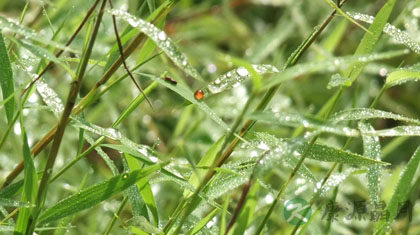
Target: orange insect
[[199, 94]]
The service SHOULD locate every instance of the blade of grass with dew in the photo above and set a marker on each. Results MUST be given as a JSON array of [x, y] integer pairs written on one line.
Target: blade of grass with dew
[[335, 180], [188, 95], [396, 131], [161, 39], [403, 75], [206, 161], [297, 120], [144, 188], [337, 80], [369, 40], [338, 9], [6, 80], [95, 194], [108, 161], [401, 192], [7, 202], [30, 185], [42, 53], [133, 193], [200, 224], [50, 98], [329, 154], [9, 24], [368, 113], [333, 64], [234, 77], [372, 149], [397, 34]]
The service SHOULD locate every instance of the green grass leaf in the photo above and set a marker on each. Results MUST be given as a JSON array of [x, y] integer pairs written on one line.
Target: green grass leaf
[[6, 80], [6, 202], [368, 113], [200, 224], [161, 39], [297, 120], [403, 75], [248, 211], [396, 131], [30, 185], [372, 149], [331, 64], [400, 194], [96, 194], [369, 40], [397, 34], [329, 154]]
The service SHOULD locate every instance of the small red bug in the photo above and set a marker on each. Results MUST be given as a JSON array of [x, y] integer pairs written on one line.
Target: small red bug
[[171, 80], [199, 94]]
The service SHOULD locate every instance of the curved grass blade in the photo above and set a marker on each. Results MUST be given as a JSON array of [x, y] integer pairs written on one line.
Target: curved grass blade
[[200, 224], [372, 149], [50, 97], [234, 77], [368, 113], [188, 95], [11, 25], [400, 194], [96, 194], [396, 131], [160, 38], [297, 120], [403, 75], [338, 9], [6, 80], [397, 34], [6, 202], [334, 180], [331, 64], [329, 154], [369, 40]]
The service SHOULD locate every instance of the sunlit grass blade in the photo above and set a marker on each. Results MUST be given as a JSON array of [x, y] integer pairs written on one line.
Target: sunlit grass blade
[[234, 77], [396, 131], [96, 194], [372, 149], [369, 40], [30, 185], [6, 79], [206, 161], [50, 97], [397, 34], [403, 75], [368, 113], [296, 120], [198, 226], [161, 39], [188, 95], [325, 153], [338, 9], [400, 194], [6, 23], [6, 202], [333, 64]]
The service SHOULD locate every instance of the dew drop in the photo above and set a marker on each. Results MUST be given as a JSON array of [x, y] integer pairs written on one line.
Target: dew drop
[[242, 71], [162, 35]]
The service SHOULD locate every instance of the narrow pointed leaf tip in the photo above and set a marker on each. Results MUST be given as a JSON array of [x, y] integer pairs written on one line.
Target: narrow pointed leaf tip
[[403, 75], [234, 77], [160, 38]]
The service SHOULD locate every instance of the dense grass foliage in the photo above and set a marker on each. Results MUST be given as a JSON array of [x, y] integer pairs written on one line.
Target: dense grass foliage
[[209, 117]]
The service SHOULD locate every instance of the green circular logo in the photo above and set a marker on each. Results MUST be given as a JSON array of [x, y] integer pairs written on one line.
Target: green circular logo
[[297, 211]]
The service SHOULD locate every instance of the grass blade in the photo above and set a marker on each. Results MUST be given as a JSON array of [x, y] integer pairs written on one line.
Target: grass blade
[[30, 185], [96, 194], [400, 194], [403, 75], [372, 149], [297, 120], [368, 113], [200, 224], [6, 80]]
